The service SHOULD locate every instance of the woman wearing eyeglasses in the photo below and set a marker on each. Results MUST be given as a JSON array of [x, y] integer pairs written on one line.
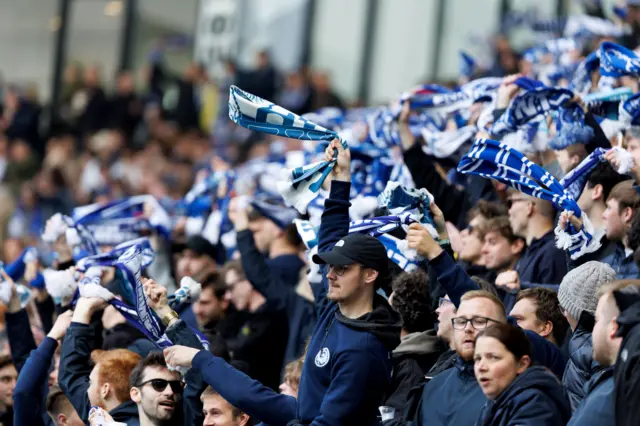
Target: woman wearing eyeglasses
[[517, 392]]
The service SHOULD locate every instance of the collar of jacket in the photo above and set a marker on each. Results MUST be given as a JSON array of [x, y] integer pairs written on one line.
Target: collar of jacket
[[383, 322], [423, 342], [465, 368]]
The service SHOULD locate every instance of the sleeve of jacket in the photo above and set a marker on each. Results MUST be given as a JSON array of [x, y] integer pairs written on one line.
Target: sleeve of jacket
[[74, 371], [20, 337], [258, 273], [31, 385], [452, 201], [453, 279], [403, 380], [180, 334], [333, 226], [250, 396], [544, 352], [46, 310], [356, 376]]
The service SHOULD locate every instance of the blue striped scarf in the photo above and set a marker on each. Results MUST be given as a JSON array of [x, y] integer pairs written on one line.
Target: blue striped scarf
[[130, 258], [254, 113], [495, 160], [616, 61], [78, 237]]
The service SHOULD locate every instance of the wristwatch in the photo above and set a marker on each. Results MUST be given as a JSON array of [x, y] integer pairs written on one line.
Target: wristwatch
[[169, 317]]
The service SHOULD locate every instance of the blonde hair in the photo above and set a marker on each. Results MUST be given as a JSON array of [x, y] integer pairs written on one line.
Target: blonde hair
[[293, 372], [482, 294]]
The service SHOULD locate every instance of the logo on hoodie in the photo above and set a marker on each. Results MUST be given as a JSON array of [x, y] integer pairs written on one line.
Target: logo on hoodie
[[322, 358]]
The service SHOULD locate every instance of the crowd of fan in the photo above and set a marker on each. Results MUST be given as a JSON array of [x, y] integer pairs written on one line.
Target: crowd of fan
[[497, 325]]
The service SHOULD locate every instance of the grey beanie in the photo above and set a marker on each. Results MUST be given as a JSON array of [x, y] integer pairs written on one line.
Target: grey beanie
[[578, 289]]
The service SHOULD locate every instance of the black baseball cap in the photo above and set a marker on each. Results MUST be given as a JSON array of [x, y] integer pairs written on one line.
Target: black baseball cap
[[356, 248]]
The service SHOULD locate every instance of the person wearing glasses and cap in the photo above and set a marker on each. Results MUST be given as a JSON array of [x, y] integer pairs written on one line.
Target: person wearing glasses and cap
[[347, 368]]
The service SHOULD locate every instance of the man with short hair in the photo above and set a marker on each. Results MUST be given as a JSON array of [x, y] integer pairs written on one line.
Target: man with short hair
[[622, 203], [419, 346], [347, 367], [262, 336], [541, 263], [60, 410], [106, 384], [199, 258], [212, 310], [501, 247], [592, 201], [598, 406], [218, 412], [571, 156], [8, 377], [155, 390], [270, 251], [537, 309]]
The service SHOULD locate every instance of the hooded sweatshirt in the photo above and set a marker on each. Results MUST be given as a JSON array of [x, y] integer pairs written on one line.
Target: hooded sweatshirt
[[412, 359], [348, 364], [627, 370], [534, 398]]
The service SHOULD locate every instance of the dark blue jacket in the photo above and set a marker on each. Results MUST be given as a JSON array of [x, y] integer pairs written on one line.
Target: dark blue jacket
[[252, 397], [347, 368], [624, 265], [276, 280], [534, 398], [581, 365], [32, 387], [541, 263], [451, 398], [598, 407], [457, 282]]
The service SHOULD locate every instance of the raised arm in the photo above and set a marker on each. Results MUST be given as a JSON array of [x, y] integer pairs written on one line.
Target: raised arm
[[30, 390], [250, 396], [75, 355]]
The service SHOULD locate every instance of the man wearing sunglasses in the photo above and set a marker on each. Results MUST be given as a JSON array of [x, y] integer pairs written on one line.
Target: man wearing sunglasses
[[156, 391]]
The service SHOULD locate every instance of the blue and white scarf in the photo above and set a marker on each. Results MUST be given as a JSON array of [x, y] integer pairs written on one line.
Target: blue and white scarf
[[570, 128], [495, 160], [254, 113], [581, 81], [123, 220], [575, 181], [617, 61], [535, 102], [399, 200], [468, 65], [629, 111], [78, 237], [445, 144], [130, 259]]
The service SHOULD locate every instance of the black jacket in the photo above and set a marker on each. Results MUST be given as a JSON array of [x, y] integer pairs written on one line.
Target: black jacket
[[261, 343], [276, 280], [627, 368], [581, 365], [414, 356], [534, 398]]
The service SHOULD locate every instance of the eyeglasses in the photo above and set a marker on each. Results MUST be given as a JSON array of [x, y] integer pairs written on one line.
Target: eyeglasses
[[512, 201], [159, 385], [478, 323], [339, 270], [442, 301]]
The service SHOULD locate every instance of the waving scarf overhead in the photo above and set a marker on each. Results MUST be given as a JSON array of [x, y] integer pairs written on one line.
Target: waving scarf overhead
[[254, 113], [77, 236], [495, 160]]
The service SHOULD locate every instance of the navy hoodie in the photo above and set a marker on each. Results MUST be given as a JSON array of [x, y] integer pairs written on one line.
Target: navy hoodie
[[348, 364], [534, 398]]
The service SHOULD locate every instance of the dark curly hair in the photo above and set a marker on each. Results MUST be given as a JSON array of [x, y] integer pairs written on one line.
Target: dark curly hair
[[547, 309], [412, 300]]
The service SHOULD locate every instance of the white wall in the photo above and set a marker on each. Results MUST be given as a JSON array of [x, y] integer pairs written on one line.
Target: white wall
[[337, 42], [468, 25], [27, 42], [403, 46]]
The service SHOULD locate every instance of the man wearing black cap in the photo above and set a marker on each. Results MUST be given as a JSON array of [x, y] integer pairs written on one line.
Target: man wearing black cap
[[199, 258], [347, 368]]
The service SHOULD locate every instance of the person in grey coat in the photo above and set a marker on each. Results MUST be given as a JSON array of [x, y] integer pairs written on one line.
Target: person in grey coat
[[577, 297]]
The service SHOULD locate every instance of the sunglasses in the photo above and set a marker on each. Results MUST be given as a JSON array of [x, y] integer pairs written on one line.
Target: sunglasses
[[159, 385], [512, 201], [338, 269]]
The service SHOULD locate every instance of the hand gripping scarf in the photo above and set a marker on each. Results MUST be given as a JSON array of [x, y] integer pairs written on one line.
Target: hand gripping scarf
[[130, 259], [575, 181], [77, 236], [495, 160], [254, 113]]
